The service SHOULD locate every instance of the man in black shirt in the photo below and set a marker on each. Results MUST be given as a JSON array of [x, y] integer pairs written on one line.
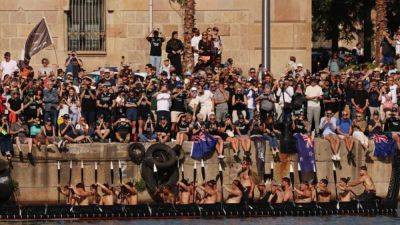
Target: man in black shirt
[[155, 48], [179, 95], [359, 99], [105, 103], [242, 127], [163, 130], [175, 49], [122, 128], [88, 102]]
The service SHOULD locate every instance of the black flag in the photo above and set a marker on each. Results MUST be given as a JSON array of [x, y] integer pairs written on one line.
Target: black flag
[[38, 39]]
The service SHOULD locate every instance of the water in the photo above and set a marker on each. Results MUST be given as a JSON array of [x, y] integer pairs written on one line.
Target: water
[[328, 220]]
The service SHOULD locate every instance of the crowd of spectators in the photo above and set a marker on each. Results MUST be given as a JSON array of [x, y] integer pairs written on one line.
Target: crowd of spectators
[[49, 106]]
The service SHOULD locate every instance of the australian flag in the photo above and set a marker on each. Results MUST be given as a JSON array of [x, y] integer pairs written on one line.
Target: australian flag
[[305, 151], [384, 145]]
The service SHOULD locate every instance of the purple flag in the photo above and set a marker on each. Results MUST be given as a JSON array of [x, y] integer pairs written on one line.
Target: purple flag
[[305, 151]]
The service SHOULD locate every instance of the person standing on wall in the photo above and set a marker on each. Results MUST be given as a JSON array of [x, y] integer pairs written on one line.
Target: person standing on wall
[[175, 49], [155, 39]]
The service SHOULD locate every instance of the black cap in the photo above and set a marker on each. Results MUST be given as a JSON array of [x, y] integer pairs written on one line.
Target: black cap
[[363, 168], [65, 116]]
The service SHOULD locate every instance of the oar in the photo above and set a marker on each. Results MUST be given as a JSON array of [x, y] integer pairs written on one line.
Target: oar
[[194, 181], [315, 181], [183, 173], [82, 179], [95, 172], [221, 179], [120, 171], [70, 173], [203, 170], [155, 173], [58, 180], [299, 171], [112, 172], [272, 170], [335, 178], [291, 175]]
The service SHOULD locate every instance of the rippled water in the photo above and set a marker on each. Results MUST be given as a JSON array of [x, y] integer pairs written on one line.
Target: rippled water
[[328, 220]]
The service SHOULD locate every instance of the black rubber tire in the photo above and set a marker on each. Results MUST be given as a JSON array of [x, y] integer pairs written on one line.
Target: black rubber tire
[[136, 152], [394, 183], [168, 177], [180, 153], [161, 155]]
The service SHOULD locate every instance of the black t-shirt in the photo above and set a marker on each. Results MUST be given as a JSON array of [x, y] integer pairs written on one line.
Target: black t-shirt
[[108, 82], [69, 131], [178, 103], [360, 97], [299, 126], [132, 99], [387, 49], [155, 45], [257, 128], [162, 129], [239, 99], [377, 129], [392, 124], [243, 127], [15, 103], [88, 103], [373, 98], [183, 125], [105, 98], [212, 127], [123, 127]]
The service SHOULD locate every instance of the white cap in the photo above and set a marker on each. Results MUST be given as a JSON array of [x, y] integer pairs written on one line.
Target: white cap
[[193, 89], [106, 70], [69, 73], [299, 65]]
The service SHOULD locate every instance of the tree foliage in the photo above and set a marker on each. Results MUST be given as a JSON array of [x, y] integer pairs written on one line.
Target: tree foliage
[[335, 19]]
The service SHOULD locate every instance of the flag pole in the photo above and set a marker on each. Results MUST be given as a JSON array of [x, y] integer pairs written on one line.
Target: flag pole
[[58, 180], [335, 179]]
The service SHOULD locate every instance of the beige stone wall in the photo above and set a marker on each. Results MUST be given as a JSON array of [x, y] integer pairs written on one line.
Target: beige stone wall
[[38, 184], [127, 25]]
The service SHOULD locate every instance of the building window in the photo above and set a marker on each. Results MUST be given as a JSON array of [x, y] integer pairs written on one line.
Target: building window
[[86, 26]]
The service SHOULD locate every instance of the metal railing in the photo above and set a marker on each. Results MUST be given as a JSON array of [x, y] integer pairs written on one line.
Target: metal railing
[[86, 26]]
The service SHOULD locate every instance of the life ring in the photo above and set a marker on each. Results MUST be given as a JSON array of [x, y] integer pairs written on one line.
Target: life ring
[[6, 184], [136, 152], [180, 153], [168, 177], [160, 155]]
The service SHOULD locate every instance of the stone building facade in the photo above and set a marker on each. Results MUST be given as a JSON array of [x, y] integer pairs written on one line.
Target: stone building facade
[[127, 23]]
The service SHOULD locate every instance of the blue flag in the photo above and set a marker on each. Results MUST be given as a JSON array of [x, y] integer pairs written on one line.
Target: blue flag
[[305, 151], [203, 146], [384, 145]]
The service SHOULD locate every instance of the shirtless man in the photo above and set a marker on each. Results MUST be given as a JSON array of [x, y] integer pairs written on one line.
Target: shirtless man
[[346, 194], [303, 195], [245, 179], [66, 192], [184, 192], [108, 194], [80, 195], [276, 194], [287, 190], [131, 197], [324, 195], [94, 198], [235, 193], [366, 181], [210, 191], [167, 196]]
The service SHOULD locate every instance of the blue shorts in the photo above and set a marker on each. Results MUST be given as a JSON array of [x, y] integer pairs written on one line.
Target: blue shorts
[[131, 114]]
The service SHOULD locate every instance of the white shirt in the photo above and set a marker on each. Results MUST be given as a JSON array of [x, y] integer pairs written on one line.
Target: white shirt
[[397, 47], [205, 100], [194, 42], [250, 99], [393, 91], [287, 95], [315, 91], [328, 127], [8, 67], [163, 101]]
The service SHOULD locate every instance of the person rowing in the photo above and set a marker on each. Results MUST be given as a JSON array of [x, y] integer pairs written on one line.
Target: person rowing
[[323, 193], [185, 192], [346, 194], [76, 195], [369, 186], [210, 192], [67, 192], [108, 194], [246, 179], [94, 198], [287, 190], [128, 194], [304, 194], [276, 195], [235, 192]]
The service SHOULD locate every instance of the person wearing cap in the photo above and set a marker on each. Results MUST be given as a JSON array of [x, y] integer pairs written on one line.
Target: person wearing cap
[[179, 96], [366, 181], [88, 101], [328, 128], [68, 132], [7, 66], [107, 80], [155, 38], [163, 103], [304, 194], [73, 64], [105, 102]]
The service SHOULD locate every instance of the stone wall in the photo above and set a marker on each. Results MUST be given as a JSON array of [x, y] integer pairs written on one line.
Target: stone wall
[[240, 23], [38, 184]]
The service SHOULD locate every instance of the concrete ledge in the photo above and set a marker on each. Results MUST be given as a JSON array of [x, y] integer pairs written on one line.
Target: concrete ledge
[[38, 184]]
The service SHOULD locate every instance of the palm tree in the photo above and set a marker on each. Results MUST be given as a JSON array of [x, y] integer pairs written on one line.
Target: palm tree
[[189, 10], [381, 26]]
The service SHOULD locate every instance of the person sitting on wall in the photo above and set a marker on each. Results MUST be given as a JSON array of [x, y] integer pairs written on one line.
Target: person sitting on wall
[[122, 128], [102, 129], [369, 186], [163, 130]]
